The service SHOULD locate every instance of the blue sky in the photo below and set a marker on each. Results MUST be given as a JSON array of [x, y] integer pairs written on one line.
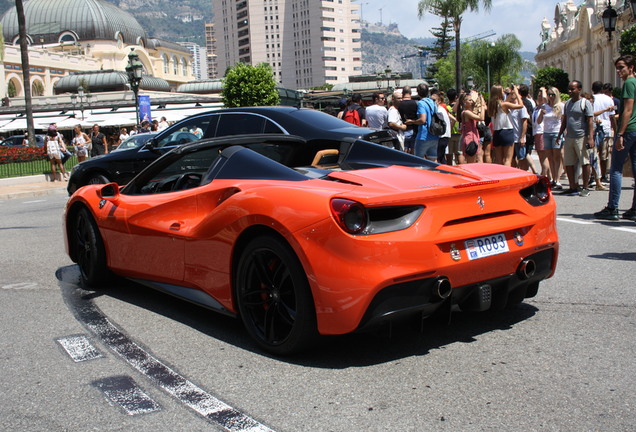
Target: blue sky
[[520, 17]]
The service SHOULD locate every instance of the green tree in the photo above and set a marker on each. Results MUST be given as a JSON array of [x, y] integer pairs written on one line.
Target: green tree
[[246, 85], [628, 41], [454, 9], [551, 77]]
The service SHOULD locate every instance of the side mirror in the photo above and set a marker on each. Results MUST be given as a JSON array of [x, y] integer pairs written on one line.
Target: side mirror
[[109, 192]]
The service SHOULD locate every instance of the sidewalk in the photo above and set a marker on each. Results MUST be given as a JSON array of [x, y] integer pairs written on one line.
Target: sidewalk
[[31, 186]]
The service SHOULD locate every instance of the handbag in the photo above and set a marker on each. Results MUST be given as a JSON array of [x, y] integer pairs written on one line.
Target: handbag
[[471, 148]]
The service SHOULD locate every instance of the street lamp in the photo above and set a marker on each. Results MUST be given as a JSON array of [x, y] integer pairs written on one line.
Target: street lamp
[[609, 20], [134, 71], [82, 96], [387, 76]]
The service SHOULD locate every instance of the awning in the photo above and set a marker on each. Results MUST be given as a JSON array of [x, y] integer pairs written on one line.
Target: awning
[[114, 119], [71, 122], [38, 123]]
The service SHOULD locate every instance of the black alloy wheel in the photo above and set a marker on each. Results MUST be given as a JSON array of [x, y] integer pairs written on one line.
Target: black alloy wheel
[[274, 298], [89, 250], [97, 179]]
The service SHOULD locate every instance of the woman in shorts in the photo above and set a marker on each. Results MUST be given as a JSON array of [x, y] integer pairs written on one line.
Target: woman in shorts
[[80, 143], [54, 148], [499, 110], [537, 133], [550, 115]]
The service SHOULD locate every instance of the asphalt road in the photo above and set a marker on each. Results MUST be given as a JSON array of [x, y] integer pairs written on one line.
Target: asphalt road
[[562, 361]]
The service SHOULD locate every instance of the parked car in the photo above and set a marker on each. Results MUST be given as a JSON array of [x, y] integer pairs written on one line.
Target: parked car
[[17, 140], [300, 238], [310, 124], [135, 141]]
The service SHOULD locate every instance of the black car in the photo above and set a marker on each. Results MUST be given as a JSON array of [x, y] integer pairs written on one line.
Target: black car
[[17, 140], [312, 125]]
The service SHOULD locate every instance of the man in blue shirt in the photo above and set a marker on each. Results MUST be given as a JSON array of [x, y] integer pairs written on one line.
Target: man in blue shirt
[[425, 144]]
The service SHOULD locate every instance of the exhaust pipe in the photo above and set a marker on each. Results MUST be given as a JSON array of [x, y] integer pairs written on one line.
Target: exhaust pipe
[[442, 288], [526, 269]]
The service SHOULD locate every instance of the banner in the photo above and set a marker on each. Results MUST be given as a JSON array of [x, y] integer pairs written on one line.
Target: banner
[[144, 108]]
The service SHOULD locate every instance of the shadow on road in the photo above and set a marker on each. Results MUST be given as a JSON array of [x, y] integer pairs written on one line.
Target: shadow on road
[[616, 256], [385, 344]]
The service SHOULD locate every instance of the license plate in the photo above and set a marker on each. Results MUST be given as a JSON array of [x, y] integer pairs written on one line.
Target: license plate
[[482, 247]]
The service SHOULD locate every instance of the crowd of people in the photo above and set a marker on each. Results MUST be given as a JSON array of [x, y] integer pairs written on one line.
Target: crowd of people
[[589, 137], [85, 145]]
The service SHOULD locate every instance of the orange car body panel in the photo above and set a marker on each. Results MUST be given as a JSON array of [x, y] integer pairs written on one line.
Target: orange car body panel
[[189, 240]]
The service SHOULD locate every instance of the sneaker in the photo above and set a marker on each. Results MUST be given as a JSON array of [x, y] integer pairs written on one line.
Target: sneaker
[[604, 180], [585, 192], [630, 214], [557, 186], [607, 214], [570, 192]]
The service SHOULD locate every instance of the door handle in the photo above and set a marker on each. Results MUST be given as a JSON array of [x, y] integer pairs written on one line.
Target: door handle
[[175, 226]]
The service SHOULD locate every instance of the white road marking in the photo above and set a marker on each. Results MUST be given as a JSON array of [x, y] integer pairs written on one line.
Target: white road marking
[[79, 348], [182, 389], [630, 230], [574, 221], [124, 392], [20, 286], [33, 202]]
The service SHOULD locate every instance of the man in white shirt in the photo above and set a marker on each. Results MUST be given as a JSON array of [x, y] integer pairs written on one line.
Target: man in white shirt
[[376, 114], [396, 126], [605, 121]]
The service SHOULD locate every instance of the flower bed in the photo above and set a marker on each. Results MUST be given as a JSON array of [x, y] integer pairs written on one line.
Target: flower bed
[[21, 154]]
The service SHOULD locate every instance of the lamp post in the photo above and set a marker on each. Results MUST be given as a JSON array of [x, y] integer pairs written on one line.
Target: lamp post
[[388, 76], [134, 71], [82, 96], [609, 20], [491, 44]]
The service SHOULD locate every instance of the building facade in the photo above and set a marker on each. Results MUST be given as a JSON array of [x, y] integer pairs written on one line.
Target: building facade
[[70, 36], [307, 42], [578, 43], [199, 59], [210, 51]]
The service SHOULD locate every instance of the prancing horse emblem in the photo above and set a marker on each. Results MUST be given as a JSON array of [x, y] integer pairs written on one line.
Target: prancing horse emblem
[[481, 203]]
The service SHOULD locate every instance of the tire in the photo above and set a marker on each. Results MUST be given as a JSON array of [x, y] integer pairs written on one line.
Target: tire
[[97, 179], [90, 254], [273, 296]]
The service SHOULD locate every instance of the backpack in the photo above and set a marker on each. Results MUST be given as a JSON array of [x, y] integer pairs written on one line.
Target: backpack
[[352, 116], [437, 126]]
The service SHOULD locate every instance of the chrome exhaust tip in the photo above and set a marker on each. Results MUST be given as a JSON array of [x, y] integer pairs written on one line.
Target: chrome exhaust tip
[[526, 269], [442, 288]]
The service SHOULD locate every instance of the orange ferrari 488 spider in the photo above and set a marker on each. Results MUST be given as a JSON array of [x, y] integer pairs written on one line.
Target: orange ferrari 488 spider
[[301, 239]]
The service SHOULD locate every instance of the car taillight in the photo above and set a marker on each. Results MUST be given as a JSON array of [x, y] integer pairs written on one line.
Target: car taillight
[[539, 193], [543, 189], [350, 215]]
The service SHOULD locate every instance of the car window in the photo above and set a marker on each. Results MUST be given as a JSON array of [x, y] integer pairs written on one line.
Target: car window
[[183, 173], [187, 131], [244, 123], [134, 141]]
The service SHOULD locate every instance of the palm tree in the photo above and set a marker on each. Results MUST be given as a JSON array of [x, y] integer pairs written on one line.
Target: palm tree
[[24, 52], [453, 9]]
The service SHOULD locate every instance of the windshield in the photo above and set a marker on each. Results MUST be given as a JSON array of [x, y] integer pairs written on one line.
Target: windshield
[[134, 141]]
